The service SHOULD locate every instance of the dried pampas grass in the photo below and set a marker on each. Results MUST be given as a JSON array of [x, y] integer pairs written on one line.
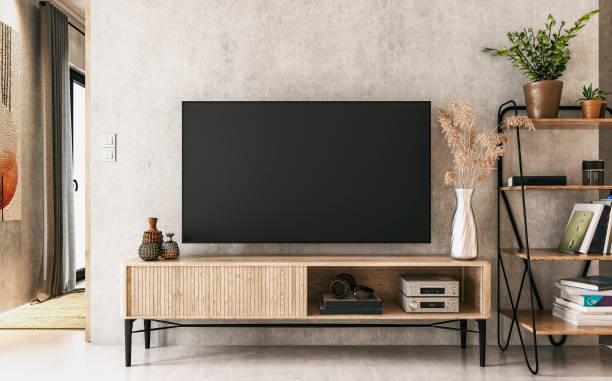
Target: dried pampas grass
[[474, 153]]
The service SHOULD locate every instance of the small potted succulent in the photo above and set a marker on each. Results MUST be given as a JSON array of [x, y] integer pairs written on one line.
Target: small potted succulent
[[591, 103], [542, 55]]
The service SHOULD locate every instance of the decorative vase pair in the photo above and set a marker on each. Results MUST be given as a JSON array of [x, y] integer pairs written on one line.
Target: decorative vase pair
[[153, 245]]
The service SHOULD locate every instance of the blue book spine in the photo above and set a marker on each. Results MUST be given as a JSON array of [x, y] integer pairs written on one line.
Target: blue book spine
[[596, 301]]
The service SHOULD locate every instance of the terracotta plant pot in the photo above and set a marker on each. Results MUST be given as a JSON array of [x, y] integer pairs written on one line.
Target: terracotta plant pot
[[543, 98], [591, 109], [604, 106]]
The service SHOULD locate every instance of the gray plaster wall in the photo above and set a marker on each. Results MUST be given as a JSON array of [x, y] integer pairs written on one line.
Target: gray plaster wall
[[148, 56], [20, 241]]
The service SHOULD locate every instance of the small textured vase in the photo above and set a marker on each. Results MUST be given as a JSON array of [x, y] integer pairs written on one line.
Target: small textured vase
[[153, 235], [464, 241], [148, 251], [170, 249]]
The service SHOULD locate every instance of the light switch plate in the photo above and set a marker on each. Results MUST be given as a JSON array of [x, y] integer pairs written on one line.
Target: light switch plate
[[108, 140]]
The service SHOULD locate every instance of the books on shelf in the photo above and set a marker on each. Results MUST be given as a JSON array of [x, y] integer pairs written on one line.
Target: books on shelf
[[591, 282], [569, 290], [595, 310], [581, 319], [600, 242], [588, 300], [585, 301], [537, 180], [581, 228]]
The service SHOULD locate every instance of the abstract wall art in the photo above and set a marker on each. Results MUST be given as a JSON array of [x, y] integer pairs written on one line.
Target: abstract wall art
[[10, 184]]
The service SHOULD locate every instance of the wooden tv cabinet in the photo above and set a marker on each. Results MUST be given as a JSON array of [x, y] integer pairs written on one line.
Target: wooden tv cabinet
[[283, 291]]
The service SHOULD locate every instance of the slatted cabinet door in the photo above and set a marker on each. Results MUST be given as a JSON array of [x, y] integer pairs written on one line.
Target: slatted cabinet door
[[215, 292]]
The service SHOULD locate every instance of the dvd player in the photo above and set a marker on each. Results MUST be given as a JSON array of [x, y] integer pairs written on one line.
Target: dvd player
[[428, 303], [427, 285]]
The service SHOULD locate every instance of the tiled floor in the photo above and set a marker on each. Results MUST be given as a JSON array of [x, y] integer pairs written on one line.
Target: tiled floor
[[63, 355]]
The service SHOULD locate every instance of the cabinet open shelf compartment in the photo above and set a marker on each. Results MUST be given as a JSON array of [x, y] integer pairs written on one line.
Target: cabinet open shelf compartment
[[472, 299]]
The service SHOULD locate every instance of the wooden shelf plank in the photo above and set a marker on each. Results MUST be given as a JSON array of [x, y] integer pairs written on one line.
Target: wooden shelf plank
[[558, 187], [547, 324], [572, 123], [393, 311], [555, 255]]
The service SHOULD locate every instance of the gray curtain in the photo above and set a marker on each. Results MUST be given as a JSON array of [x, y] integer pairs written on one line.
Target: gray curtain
[[57, 273]]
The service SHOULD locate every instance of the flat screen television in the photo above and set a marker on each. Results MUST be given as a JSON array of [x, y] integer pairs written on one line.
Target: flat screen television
[[306, 172]]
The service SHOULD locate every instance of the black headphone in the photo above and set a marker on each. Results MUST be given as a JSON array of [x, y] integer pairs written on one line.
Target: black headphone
[[345, 283], [363, 292], [342, 285]]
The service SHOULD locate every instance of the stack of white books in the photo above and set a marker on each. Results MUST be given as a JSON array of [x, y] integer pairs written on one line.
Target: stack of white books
[[585, 301]]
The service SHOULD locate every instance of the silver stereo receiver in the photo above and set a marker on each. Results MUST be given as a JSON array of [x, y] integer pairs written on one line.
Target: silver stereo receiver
[[428, 303], [427, 285]]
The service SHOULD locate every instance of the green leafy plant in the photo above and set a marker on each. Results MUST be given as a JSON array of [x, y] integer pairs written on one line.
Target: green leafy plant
[[542, 54], [602, 95], [590, 94]]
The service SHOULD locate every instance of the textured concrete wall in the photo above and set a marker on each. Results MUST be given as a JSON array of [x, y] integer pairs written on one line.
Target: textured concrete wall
[[308, 50], [20, 240]]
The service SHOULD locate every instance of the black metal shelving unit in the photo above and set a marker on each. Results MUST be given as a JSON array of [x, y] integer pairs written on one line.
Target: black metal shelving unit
[[534, 296]]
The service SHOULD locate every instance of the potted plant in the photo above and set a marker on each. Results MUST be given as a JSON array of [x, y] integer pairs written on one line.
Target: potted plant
[[542, 55], [475, 155], [591, 102]]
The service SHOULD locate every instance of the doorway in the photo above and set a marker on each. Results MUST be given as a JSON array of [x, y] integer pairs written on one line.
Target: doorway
[[77, 106]]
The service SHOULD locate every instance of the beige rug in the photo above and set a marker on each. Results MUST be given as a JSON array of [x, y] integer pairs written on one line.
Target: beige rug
[[64, 312]]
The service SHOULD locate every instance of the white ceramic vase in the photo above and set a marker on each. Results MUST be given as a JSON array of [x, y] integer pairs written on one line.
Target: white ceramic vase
[[464, 240]]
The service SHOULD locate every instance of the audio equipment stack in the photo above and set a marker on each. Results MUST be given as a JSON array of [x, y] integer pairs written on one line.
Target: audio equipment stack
[[428, 293]]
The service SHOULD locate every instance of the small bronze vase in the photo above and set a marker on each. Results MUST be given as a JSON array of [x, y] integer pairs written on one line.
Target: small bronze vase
[[153, 235], [170, 249]]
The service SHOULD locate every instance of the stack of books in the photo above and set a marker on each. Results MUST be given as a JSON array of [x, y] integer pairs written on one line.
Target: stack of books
[[585, 301], [589, 229]]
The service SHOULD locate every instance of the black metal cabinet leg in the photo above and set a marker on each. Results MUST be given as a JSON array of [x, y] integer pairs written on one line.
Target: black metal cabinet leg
[[147, 332], [129, 323], [482, 340], [463, 328]]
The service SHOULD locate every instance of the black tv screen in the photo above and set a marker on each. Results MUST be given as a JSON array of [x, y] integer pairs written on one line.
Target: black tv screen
[[306, 172]]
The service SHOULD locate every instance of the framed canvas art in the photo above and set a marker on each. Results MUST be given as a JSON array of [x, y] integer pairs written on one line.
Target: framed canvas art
[[10, 155]]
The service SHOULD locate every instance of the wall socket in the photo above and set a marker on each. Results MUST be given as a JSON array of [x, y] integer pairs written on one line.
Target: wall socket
[[108, 147]]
